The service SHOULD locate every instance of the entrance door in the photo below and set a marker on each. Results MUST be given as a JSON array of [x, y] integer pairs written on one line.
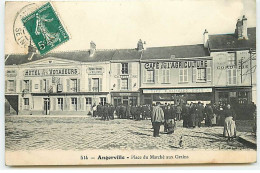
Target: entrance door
[[117, 101], [125, 100], [46, 103]]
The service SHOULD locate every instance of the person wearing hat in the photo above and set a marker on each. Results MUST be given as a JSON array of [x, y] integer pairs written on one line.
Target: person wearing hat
[[157, 119]]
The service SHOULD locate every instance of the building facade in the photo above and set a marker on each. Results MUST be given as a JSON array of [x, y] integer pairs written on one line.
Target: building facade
[[221, 70], [57, 83], [173, 75], [234, 59]]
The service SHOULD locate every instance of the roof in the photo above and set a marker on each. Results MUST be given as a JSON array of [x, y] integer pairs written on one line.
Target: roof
[[185, 51], [81, 56], [127, 54], [230, 41]]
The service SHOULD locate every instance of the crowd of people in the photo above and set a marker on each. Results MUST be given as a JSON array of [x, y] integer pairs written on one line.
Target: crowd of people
[[192, 114], [108, 111]]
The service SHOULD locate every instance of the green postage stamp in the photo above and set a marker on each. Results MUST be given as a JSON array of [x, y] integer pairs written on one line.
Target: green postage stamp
[[45, 28]]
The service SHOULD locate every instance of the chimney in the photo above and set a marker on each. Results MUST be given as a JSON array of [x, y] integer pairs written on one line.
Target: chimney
[[140, 45], [244, 27], [205, 38], [238, 31], [144, 45], [92, 49], [31, 51]]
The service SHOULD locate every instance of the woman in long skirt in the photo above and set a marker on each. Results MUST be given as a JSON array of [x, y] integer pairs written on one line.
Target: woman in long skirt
[[229, 125]]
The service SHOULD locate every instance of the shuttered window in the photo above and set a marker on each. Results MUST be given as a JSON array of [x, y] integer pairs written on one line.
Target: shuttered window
[[183, 75], [124, 84], [165, 76], [201, 74], [149, 76], [10, 86], [95, 87], [73, 86], [232, 76]]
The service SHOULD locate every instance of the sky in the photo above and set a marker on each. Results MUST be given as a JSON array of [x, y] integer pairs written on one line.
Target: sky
[[120, 24]]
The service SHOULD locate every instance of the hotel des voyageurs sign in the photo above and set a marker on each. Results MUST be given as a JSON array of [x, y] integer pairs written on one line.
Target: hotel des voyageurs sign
[[51, 72]]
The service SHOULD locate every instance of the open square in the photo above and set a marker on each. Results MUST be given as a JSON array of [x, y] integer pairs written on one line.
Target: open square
[[81, 133]]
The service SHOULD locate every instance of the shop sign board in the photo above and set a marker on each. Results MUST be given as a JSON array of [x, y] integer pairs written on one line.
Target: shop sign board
[[179, 90], [51, 72]]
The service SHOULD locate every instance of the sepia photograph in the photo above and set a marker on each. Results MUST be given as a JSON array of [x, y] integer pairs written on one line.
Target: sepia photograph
[[130, 82]]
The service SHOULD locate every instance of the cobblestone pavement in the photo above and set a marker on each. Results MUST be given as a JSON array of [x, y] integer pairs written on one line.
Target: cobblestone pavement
[[80, 133]]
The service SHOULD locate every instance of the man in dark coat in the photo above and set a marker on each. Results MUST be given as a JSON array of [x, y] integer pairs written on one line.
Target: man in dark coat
[[138, 113], [128, 108], [166, 111], [145, 112], [118, 111], [192, 115], [122, 111], [200, 113], [111, 112], [99, 110], [102, 112], [133, 112], [209, 115], [185, 115]]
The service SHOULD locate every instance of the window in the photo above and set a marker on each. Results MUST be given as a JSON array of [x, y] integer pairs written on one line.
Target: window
[[60, 103], [10, 85], [124, 68], [232, 76], [26, 103], [242, 97], [73, 85], [231, 59], [149, 76], [74, 104], [26, 85], [201, 74], [124, 84], [95, 87], [103, 100], [165, 76], [89, 101], [183, 75]]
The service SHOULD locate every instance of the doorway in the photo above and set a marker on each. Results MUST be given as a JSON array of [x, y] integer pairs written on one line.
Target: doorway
[[46, 103]]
